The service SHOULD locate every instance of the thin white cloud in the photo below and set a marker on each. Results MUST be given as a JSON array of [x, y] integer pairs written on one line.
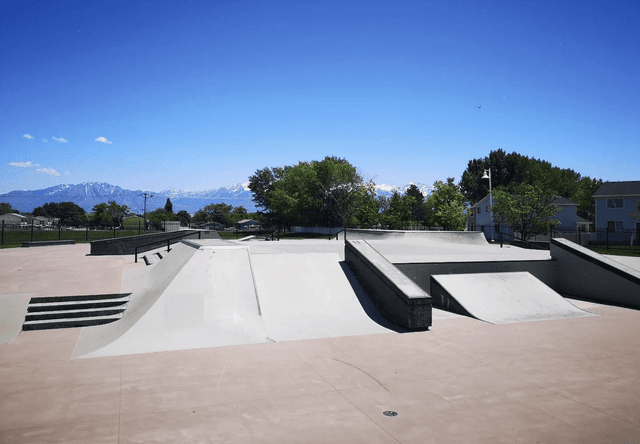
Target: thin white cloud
[[67, 173], [49, 171], [28, 136], [59, 139], [27, 164], [45, 140], [103, 140]]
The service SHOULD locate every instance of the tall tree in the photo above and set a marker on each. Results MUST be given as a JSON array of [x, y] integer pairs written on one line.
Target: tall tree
[[526, 208], [309, 193], [447, 205], [418, 210], [168, 207], [109, 213], [6, 208], [398, 215], [184, 217]]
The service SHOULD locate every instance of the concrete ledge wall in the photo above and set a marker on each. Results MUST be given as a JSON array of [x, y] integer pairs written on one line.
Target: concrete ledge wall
[[397, 298], [420, 273], [458, 237], [127, 245], [587, 274]]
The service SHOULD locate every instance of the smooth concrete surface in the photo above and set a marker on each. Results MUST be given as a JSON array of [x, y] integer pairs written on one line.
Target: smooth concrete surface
[[560, 381], [501, 298], [411, 236], [306, 296], [437, 251], [207, 299], [213, 293], [420, 272], [398, 298], [13, 310], [590, 275]]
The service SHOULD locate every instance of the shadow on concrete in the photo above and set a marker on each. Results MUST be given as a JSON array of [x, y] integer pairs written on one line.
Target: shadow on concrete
[[366, 303]]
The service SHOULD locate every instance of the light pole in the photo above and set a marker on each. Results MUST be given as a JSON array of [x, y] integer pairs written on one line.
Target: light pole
[[145, 208], [487, 175]]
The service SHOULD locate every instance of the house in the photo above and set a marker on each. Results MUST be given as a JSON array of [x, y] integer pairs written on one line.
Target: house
[[248, 224], [615, 202], [479, 217], [15, 220]]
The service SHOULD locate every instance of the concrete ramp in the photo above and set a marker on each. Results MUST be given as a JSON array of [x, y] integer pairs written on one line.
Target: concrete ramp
[[501, 298], [210, 301], [305, 296]]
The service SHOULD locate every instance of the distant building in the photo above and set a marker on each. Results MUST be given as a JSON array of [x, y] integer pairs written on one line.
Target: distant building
[[479, 218], [615, 201], [248, 224], [15, 219]]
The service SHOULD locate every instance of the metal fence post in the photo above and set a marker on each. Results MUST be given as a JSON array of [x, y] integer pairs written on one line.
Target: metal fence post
[[86, 237], [31, 230], [2, 231], [59, 231]]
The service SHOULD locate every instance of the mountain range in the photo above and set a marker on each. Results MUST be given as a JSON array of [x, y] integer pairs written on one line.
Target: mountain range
[[88, 194]]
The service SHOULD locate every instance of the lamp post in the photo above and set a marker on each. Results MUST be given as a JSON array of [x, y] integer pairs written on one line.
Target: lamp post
[[145, 208], [487, 175]]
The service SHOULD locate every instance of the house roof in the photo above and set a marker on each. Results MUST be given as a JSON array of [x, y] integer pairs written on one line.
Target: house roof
[[626, 188], [244, 221], [559, 200], [582, 220], [15, 214]]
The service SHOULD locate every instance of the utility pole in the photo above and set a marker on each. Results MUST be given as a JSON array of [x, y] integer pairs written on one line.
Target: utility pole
[[145, 207]]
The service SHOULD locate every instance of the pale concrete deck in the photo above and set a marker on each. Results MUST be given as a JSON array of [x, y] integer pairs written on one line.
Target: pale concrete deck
[[572, 380]]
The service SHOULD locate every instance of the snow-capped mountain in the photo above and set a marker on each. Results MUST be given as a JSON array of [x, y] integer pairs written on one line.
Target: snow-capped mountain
[[88, 194], [387, 190]]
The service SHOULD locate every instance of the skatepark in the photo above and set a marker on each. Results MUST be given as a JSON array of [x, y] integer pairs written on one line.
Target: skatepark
[[314, 340]]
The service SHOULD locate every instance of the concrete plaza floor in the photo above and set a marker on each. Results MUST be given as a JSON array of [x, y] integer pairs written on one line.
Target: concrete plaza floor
[[560, 381]]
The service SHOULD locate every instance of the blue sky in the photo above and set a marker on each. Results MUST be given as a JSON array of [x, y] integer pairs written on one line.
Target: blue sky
[[199, 94]]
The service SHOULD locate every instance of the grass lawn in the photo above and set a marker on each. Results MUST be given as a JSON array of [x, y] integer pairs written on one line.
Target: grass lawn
[[617, 250]]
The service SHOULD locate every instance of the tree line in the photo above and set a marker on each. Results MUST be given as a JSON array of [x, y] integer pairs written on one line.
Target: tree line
[[332, 193]]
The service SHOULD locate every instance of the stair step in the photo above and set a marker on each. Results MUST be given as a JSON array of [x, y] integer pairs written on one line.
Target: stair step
[[49, 324], [77, 305], [64, 314], [43, 299]]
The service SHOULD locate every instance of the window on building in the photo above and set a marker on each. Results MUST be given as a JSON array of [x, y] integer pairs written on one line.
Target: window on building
[[615, 226], [615, 203]]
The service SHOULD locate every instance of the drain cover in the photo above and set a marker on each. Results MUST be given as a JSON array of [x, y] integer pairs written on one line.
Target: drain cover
[[390, 413]]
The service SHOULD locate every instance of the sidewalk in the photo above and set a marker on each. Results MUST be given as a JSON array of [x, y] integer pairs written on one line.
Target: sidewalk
[[573, 380]]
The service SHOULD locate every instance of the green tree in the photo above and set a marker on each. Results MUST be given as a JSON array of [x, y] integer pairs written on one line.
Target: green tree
[[168, 207], [447, 205], [68, 213], [528, 209], [237, 214], [159, 215], [325, 192], [216, 212], [184, 217], [398, 215], [418, 210], [109, 214], [6, 208], [636, 215]]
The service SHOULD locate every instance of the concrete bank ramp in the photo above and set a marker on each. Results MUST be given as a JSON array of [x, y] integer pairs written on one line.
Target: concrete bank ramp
[[197, 296], [417, 237], [305, 296], [501, 298]]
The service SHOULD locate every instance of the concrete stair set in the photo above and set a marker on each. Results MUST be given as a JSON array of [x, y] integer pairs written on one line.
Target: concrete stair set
[[50, 312]]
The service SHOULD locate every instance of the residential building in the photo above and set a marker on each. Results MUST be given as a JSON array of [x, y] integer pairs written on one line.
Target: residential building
[[615, 202]]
